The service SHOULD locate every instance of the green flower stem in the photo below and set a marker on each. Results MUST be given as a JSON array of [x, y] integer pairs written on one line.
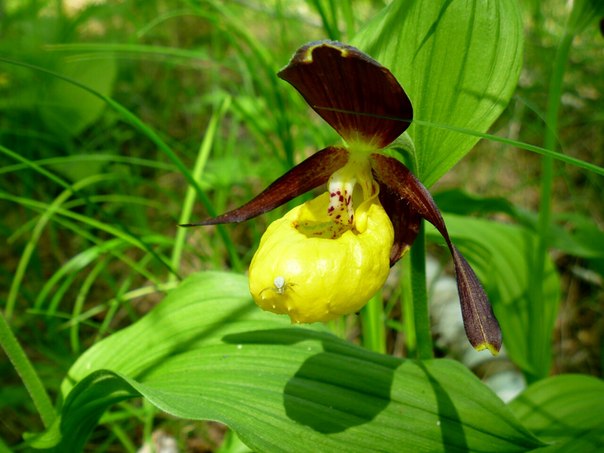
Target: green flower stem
[[373, 325], [420, 296], [26, 371], [408, 307], [538, 329]]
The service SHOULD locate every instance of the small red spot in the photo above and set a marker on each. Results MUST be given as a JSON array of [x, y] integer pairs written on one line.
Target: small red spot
[[338, 216], [341, 198], [332, 194], [338, 192], [330, 209]]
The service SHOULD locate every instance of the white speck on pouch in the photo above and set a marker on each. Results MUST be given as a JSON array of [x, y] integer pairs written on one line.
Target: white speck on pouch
[[280, 284]]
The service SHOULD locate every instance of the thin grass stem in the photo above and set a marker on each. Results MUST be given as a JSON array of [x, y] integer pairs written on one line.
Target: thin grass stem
[[200, 164], [494, 138], [125, 441], [35, 236], [74, 329], [541, 357], [26, 371], [147, 132]]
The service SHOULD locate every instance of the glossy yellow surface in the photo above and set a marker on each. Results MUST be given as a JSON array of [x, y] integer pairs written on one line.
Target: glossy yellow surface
[[313, 269]]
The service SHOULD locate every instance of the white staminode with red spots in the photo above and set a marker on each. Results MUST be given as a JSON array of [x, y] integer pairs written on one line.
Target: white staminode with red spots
[[341, 209]]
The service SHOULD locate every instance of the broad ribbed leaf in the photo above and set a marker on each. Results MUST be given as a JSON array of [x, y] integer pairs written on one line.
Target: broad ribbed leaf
[[206, 352], [502, 257], [565, 410], [459, 62]]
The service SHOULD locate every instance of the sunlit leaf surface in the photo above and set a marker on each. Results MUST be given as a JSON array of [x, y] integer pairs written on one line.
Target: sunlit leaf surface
[[565, 410], [206, 352]]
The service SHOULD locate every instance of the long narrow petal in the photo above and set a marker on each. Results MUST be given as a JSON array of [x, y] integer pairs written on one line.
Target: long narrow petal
[[307, 175], [336, 79], [482, 328], [405, 222]]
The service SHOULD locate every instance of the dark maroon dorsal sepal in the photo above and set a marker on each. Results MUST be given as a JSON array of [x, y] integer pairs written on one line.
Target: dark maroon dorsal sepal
[[356, 95]]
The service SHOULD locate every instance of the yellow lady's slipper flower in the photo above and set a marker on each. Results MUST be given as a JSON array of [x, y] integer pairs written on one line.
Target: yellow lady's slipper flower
[[328, 256], [325, 258]]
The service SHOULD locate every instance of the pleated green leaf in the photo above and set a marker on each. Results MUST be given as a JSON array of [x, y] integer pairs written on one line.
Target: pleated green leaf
[[565, 410], [207, 353], [502, 256], [459, 62]]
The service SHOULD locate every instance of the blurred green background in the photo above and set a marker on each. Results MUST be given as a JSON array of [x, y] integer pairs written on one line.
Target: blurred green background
[[91, 192]]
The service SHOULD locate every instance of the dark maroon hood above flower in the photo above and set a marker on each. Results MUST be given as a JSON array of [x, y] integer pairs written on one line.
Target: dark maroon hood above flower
[[351, 91]]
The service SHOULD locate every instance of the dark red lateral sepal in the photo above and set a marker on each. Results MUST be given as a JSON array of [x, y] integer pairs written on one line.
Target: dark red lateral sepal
[[308, 174], [482, 328], [338, 80]]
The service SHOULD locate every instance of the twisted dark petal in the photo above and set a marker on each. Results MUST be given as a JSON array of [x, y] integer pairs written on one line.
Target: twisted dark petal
[[336, 79], [305, 176], [482, 328], [405, 221]]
